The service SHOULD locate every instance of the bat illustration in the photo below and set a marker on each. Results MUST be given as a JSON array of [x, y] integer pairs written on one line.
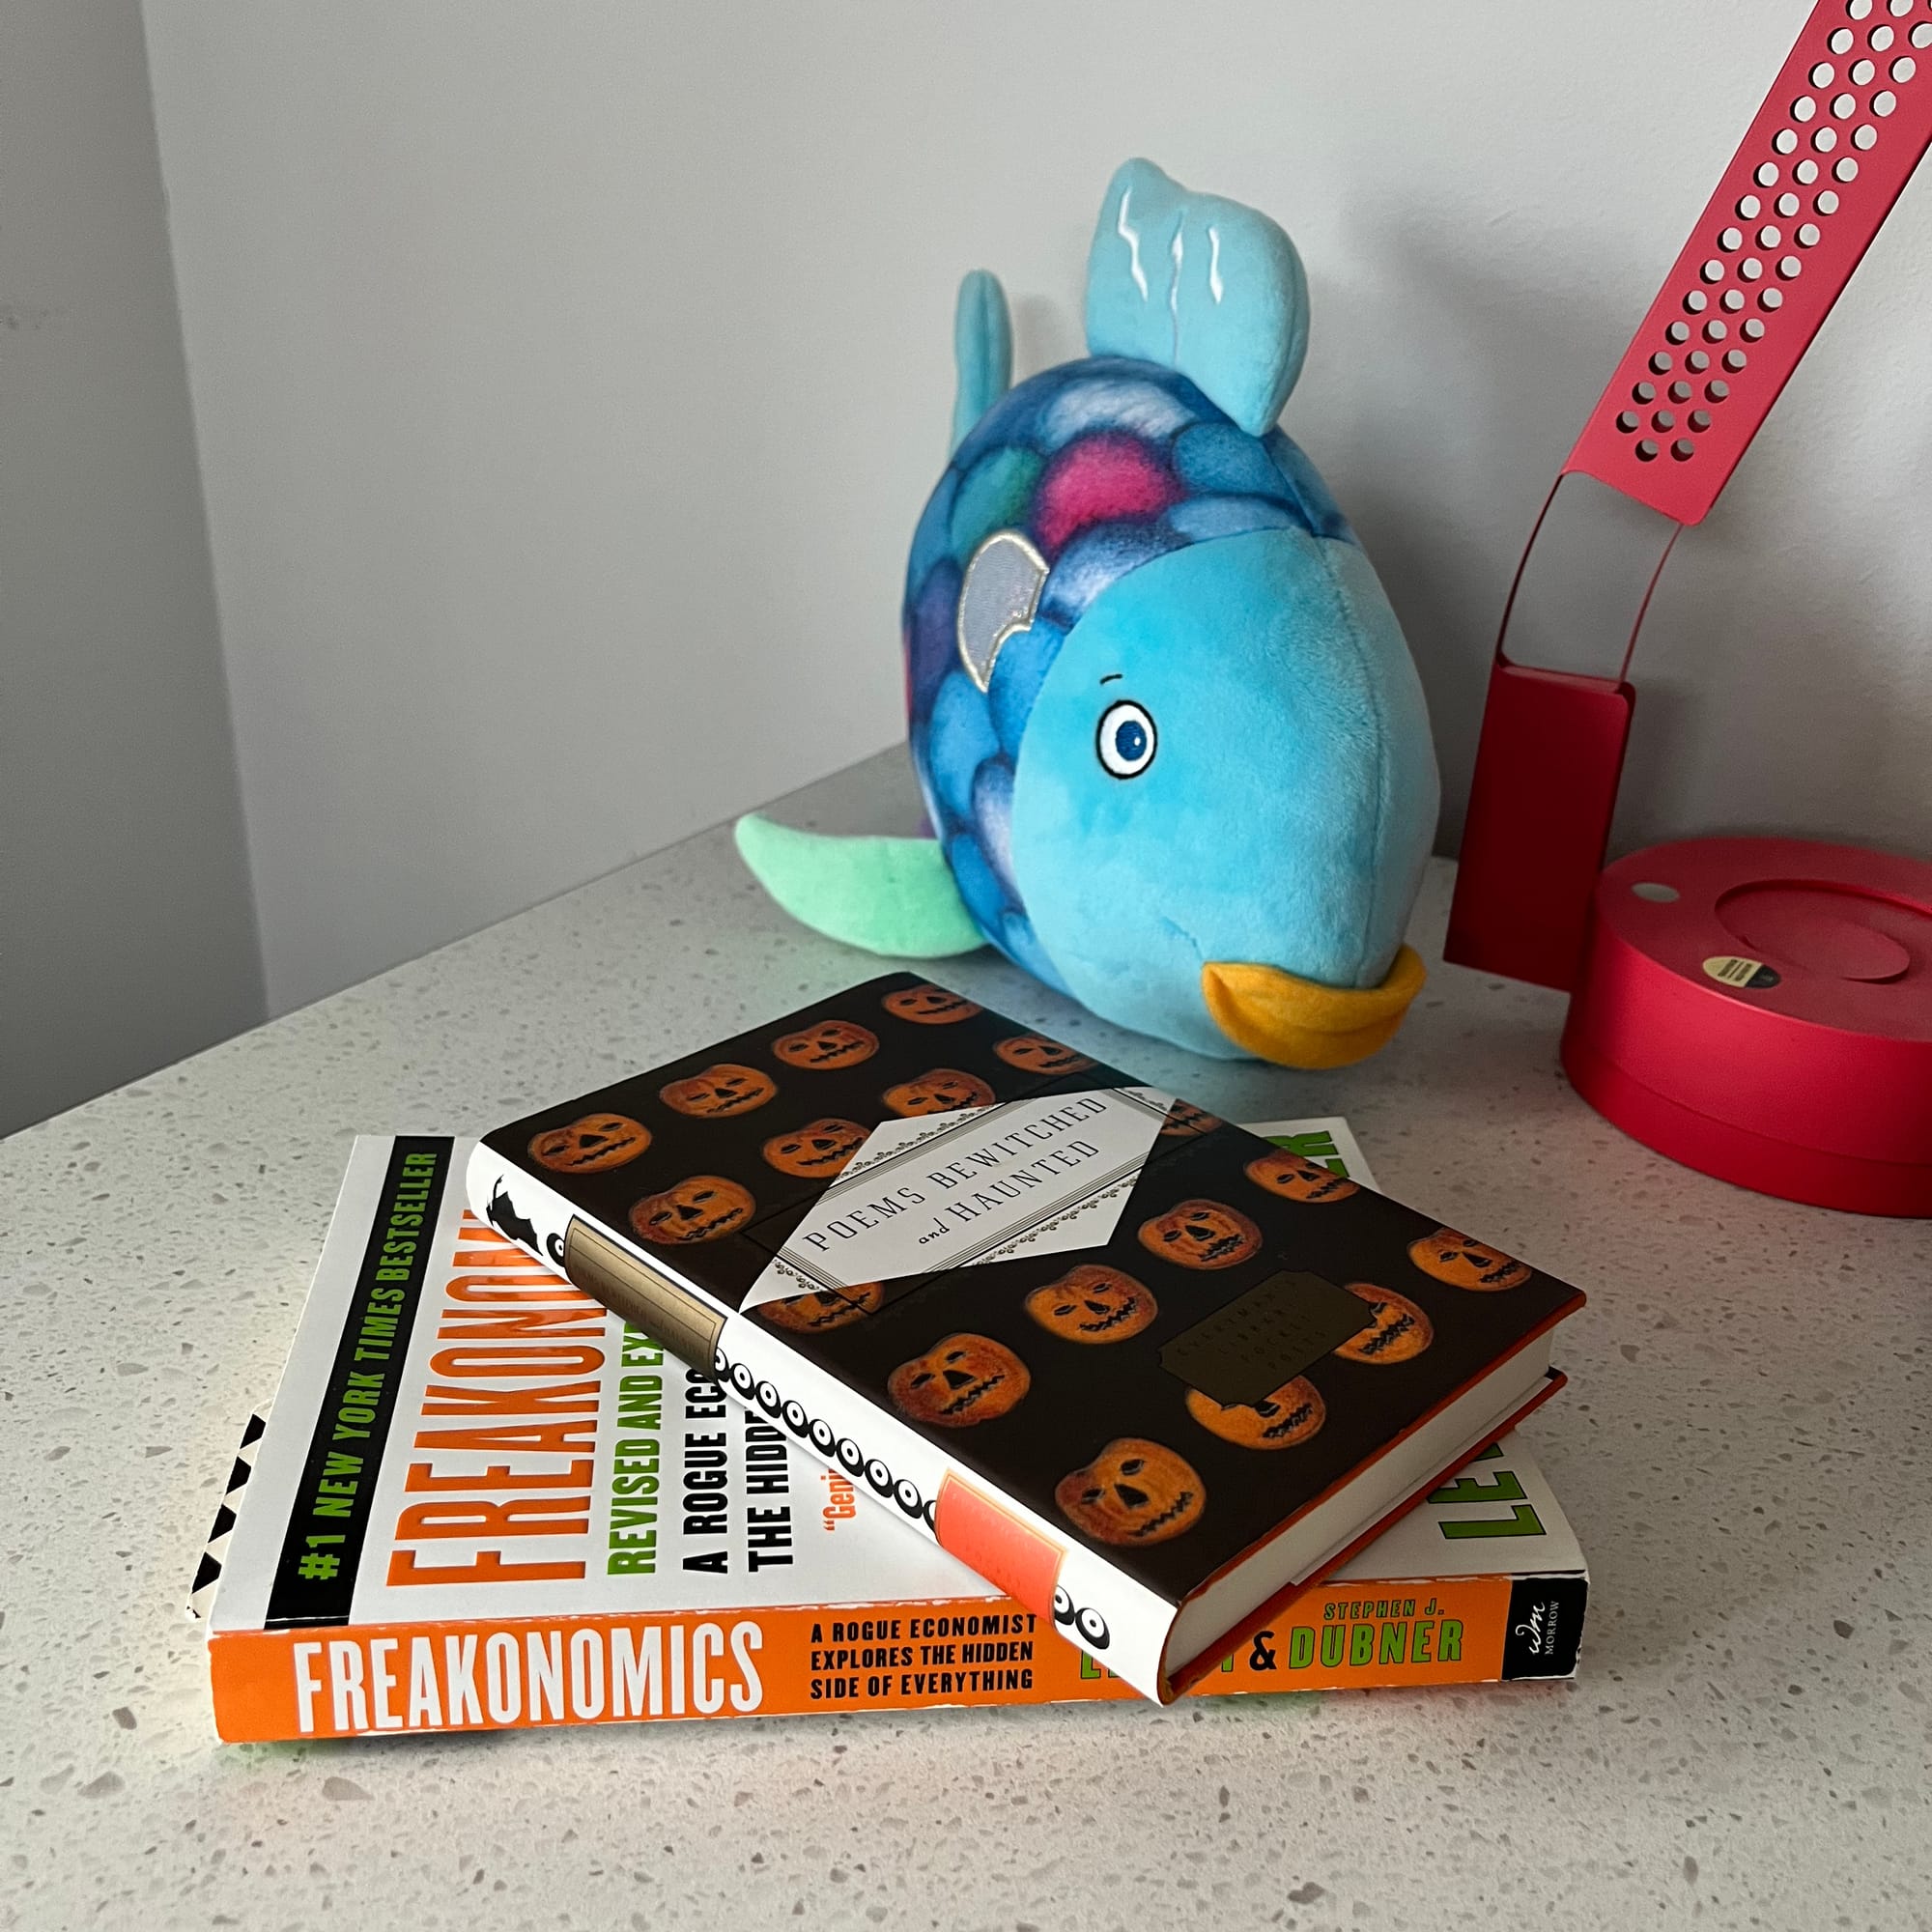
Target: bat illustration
[[507, 1222]]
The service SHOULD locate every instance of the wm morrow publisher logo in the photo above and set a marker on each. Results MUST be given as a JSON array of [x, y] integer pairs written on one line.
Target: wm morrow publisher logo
[[1546, 1622]]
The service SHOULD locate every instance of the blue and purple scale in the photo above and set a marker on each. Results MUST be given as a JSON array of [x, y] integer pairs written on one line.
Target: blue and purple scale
[[1102, 465]]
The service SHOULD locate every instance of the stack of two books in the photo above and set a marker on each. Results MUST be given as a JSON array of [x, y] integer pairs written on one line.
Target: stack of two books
[[891, 1355]]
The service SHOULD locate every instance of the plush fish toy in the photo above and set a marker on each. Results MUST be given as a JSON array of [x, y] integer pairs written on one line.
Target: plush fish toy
[[1174, 750]]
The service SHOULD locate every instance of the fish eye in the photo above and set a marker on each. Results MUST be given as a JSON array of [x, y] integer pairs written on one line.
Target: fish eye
[[1127, 740]]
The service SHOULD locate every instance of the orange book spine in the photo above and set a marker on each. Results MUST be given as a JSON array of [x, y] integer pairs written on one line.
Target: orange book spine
[[369, 1680]]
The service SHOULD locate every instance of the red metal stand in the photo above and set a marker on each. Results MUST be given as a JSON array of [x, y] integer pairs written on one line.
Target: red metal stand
[[1814, 1083]]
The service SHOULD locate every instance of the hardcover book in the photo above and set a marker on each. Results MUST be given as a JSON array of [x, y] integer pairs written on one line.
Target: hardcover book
[[1142, 1371], [482, 1502]]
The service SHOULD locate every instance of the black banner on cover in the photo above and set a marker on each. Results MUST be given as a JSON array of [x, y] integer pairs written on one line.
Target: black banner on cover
[[1546, 1625], [315, 1579]]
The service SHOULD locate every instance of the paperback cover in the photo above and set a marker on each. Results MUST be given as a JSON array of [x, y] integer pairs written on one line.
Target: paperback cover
[[1135, 1366], [482, 1502]]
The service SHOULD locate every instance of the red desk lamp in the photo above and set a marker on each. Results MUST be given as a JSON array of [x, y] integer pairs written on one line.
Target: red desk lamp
[[1757, 1009]]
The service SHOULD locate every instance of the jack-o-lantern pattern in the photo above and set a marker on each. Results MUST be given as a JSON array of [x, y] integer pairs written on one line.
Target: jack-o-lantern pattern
[[1283, 1418], [1202, 1234], [944, 1090], [823, 1308], [721, 1091], [1454, 1257], [1296, 1180], [1035, 1053], [1001, 1356], [830, 1044], [1091, 1303], [701, 1207], [928, 1006], [1133, 1491], [961, 1381], [1399, 1332], [590, 1144], [819, 1149]]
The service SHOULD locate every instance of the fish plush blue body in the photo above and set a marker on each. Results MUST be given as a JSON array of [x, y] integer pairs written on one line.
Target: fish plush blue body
[[1172, 745]]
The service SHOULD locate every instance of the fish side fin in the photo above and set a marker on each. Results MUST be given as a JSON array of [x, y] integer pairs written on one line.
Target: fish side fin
[[982, 350], [889, 896], [1201, 286]]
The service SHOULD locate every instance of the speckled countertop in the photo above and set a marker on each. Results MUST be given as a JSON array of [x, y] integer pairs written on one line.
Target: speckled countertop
[[1743, 1450]]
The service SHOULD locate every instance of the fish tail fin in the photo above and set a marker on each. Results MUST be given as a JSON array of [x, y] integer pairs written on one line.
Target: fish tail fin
[[889, 896], [982, 350]]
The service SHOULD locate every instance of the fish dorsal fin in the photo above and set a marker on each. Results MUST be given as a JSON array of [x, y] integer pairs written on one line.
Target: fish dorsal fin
[[1199, 285], [982, 350], [996, 600]]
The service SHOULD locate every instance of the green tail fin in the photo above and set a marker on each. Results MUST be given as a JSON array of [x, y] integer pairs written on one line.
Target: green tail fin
[[889, 896]]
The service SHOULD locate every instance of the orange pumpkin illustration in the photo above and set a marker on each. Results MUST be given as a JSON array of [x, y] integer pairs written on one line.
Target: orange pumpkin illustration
[[1296, 1180], [820, 1148], [1202, 1234], [702, 1208], [828, 1044], [942, 1090], [1035, 1053], [1286, 1416], [959, 1381], [591, 1144], [718, 1093], [1133, 1491], [928, 1006], [1091, 1303], [1399, 1332], [823, 1308], [1454, 1257], [1185, 1118]]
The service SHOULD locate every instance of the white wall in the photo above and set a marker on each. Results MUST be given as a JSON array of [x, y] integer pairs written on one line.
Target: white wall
[[127, 935], [569, 379]]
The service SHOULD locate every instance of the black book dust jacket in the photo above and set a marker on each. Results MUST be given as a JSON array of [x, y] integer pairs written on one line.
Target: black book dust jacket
[[1107, 1341]]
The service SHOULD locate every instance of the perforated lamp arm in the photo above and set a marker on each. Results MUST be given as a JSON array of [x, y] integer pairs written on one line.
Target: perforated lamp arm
[[1840, 131]]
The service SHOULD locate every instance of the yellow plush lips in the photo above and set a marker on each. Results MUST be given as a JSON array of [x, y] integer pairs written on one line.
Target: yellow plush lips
[[1296, 1022]]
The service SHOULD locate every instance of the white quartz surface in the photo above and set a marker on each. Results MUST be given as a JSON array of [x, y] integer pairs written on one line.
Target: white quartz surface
[[1743, 1450]]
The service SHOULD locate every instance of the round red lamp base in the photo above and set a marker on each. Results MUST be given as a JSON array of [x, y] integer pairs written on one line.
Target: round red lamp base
[[1761, 1011]]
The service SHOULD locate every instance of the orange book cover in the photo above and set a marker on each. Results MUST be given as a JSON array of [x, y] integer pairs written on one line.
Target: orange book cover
[[481, 1501]]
